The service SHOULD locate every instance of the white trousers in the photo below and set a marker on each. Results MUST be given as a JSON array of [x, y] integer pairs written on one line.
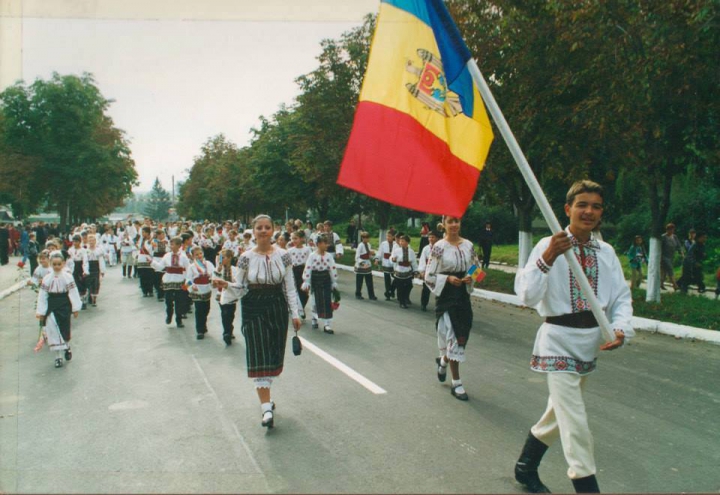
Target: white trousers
[[565, 417]]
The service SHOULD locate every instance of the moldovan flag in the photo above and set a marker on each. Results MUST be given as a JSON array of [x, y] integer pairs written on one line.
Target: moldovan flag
[[421, 134]]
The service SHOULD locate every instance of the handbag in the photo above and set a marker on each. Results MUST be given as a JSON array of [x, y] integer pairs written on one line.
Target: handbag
[[296, 345]]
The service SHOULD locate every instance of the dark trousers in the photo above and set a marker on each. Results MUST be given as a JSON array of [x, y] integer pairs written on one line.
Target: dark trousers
[[4, 260], [173, 303], [404, 287], [487, 251], [368, 278], [157, 282], [227, 315], [147, 278], [33, 263], [302, 295], [389, 284], [425, 296], [202, 310]]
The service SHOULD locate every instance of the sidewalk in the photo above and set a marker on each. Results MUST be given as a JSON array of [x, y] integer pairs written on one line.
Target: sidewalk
[[9, 276]]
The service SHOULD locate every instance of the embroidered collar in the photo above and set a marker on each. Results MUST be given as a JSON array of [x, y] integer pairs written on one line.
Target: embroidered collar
[[592, 243]]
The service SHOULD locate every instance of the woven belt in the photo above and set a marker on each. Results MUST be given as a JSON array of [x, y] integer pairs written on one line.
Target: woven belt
[[584, 319], [264, 286], [176, 270]]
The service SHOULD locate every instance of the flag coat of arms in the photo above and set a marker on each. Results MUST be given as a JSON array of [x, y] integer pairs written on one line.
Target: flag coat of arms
[[421, 134]]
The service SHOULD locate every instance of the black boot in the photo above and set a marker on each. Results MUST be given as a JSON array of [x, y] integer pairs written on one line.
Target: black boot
[[587, 484], [526, 468], [124, 271]]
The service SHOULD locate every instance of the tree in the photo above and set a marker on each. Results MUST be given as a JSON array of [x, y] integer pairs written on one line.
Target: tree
[[58, 137], [158, 203]]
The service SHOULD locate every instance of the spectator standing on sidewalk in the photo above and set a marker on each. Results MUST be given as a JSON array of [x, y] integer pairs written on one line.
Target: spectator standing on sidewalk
[[637, 256], [692, 272], [486, 242], [670, 243], [4, 244]]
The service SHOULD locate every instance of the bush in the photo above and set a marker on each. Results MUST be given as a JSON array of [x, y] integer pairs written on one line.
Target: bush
[[630, 225], [504, 223]]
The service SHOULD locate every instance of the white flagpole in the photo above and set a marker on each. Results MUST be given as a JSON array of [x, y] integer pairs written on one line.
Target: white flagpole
[[539, 196]]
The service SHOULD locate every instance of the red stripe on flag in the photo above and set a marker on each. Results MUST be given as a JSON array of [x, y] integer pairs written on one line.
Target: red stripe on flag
[[390, 156]]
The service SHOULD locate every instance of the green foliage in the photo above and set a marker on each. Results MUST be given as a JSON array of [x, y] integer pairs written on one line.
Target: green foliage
[[503, 223], [58, 146], [158, 203]]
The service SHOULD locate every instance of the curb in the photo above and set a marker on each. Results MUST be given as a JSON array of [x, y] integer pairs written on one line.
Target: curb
[[644, 324], [13, 289]]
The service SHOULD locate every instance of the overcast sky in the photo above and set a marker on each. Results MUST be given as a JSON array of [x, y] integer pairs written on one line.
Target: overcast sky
[[177, 83]]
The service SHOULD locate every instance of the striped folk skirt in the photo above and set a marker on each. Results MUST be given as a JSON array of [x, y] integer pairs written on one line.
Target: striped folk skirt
[[265, 318], [322, 290]]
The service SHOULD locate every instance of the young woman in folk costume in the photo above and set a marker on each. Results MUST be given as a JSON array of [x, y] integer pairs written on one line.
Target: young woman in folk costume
[[404, 269], [299, 255], [268, 298], [108, 241], [363, 267], [81, 267], [173, 266], [447, 277], [227, 273], [320, 276], [58, 298], [198, 280], [96, 264]]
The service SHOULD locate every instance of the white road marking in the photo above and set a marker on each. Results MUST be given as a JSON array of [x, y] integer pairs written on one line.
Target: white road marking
[[371, 386]]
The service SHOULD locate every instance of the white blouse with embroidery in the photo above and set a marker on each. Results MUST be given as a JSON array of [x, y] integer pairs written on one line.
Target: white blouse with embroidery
[[299, 256], [58, 283], [197, 269], [398, 256], [553, 291], [320, 263], [97, 254], [364, 249], [446, 259], [272, 269], [79, 255]]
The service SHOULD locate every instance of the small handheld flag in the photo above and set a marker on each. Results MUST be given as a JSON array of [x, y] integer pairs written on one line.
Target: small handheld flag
[[476, 273]]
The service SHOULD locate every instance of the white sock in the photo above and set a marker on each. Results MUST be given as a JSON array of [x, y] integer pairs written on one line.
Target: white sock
[[328, 322], [457, 385], [443, 362], [266, 407], [58, 354]]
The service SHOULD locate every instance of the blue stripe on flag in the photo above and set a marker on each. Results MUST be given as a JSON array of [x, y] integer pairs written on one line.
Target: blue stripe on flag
[[454, 53]]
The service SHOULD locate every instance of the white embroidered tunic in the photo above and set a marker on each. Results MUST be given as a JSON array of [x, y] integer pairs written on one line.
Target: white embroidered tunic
[[39, 274], [79, 255], [270, 269], [446, 259], [553, 291], [320, 263], [58, 283], [424, 257], [384, 254], [97, 254], [299, 256], [174, 266], [404, 266], [226, 296], [199, 276], [363, 257]]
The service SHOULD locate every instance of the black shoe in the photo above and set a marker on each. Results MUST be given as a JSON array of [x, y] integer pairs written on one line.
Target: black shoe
[[180, 324], [68, 354], [424, 308], [58, 363], [233, 337], [441, 376], [387, 296], [329, 330], [526, 467], [462, 396], [161, 299], [315, 326], [200, 336], [168, 320], [84, 306], [403, 306], [373, 298], [228, 340], [588, 484], [270, 421], [358, 296]]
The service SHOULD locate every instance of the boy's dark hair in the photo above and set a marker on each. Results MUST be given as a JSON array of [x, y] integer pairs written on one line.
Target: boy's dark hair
[[322, 238], [146, 229], [405, 238], [435, 233], [76, 238], [300, 233], [186, 235], [583, 186], [177, 240]]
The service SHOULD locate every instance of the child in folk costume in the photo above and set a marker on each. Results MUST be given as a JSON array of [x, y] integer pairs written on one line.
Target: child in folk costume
[[144, 260], [173, 264], [247, 243], [108, 241], [208, 242], [363, 267], [320, 276], [282, 240], [96, 263], [265, 283], [568, 343], [299, 255], [43, 269], [447, 277], [232, 243], [432, 237], [404, 269], [54, 245], [335, 246], [81, 267], [384, 254], [160, 248], [127, 252], [58, 298], [198, 279], [226, 272]]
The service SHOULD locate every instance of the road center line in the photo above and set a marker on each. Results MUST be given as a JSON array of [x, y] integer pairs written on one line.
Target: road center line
[[371, 386]]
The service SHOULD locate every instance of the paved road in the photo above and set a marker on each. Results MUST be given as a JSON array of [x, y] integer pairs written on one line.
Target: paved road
[[144, 408]]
